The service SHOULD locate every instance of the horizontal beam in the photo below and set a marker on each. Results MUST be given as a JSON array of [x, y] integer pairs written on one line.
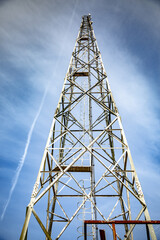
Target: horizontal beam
[[83, 39], [73, 195], [122, 222], [93, 130], [74, 169], [81, 74]]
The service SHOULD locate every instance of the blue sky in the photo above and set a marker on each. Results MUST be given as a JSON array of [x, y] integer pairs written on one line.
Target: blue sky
[[36, 43]]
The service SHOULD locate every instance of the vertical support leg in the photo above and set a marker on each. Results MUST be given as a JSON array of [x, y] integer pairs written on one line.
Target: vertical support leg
[[102, 234], [150, 226], [147, 231], [85, 231], [26, 222], [114, 232], [27, 228]]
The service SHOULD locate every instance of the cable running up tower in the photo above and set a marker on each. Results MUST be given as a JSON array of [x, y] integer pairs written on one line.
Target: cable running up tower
[[87, 169]]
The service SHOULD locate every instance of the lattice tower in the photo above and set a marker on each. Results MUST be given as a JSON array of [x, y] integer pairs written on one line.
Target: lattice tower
[[87, 170]]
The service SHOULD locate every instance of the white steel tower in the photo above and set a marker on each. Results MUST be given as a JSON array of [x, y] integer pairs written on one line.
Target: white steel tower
[[87, 171]]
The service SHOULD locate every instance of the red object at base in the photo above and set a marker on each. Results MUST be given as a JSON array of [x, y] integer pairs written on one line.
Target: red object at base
[[102, 234]]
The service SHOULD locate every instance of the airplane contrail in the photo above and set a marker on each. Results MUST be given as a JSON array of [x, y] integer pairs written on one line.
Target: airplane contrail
[[22, 160]]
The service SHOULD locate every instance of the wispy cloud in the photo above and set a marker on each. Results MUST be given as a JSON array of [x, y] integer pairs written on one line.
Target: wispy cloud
[[133, 90], [21, 162]]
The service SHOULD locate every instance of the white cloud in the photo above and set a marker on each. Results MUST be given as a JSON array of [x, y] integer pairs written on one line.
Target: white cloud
[[132, 89]]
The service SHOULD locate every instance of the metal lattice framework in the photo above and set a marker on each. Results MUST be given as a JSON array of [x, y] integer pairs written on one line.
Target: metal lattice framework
[[87, 170]]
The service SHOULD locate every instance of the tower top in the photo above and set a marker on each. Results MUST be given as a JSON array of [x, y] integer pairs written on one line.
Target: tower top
[[87, 16]]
